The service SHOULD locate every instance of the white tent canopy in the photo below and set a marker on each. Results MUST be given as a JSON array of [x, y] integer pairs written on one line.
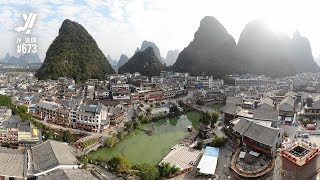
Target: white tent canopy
[[209, 160]]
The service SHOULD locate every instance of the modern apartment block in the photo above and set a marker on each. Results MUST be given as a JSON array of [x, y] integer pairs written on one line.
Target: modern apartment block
[[90, 117]]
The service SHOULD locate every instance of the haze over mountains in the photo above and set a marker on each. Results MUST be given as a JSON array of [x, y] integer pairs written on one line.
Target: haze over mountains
[[112, 61], [22, 60], [214, 51], [171, 57]]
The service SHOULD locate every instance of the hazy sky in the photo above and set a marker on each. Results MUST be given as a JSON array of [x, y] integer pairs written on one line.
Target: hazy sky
[[120, 26]]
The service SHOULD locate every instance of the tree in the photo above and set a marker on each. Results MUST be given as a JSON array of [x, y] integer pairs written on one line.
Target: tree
[[166, 170], [199, 145], [121, 135], [214, 118], [5, 101], [174, 110], [303, 121], [120, 164], [145, 119], [200, 102], [218, 141], [147, 171], [67, 137], [84, 160], [210, 118], [136, 122], [128, 126], [110, 141], [148, 110], [181, 103], [205, 118]]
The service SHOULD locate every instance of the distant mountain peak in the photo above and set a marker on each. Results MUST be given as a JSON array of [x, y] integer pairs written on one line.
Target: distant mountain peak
[[146, 44], [146, 62], [123, 59], [171, 57], [22, 60], [213, 51], [7, 55], [112, 61]]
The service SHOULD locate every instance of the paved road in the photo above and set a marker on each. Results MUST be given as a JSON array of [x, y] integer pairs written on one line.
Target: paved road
[[74, 131], [204, 109]]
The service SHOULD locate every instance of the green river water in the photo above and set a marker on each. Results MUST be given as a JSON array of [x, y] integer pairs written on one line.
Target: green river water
[[140, 147]]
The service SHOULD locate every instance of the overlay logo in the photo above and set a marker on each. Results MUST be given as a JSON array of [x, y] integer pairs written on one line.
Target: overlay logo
[[29, 21]]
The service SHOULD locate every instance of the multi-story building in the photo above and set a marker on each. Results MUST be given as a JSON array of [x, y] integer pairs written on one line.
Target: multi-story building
[[206, 82], [298, 159], [287, 110], [52, 112], [90, 117], [16, 133], [258, 137], [27, 135], [120, 91], [101, 93], [312, 110]]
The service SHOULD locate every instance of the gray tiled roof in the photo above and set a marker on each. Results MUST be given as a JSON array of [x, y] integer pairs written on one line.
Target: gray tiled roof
[[90, 108], [263, 114], [231, 109], [259, 133], [67, 174], [51, 154], [24, 126], [12, 162], [47, 105], [234, 100], [316, 105], [14, 121], [241, 126], [288, 100], [267, 100], [287, 104]]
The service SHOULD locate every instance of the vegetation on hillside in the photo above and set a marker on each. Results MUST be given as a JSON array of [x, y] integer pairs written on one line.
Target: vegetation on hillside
[[74, 53], [145, 62]]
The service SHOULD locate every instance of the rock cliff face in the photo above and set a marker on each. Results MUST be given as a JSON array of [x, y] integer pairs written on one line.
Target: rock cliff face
[[123, 59], [259, 51], [210, 52], [146, 62], [74, 53], [171, 57], [147, 44]]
